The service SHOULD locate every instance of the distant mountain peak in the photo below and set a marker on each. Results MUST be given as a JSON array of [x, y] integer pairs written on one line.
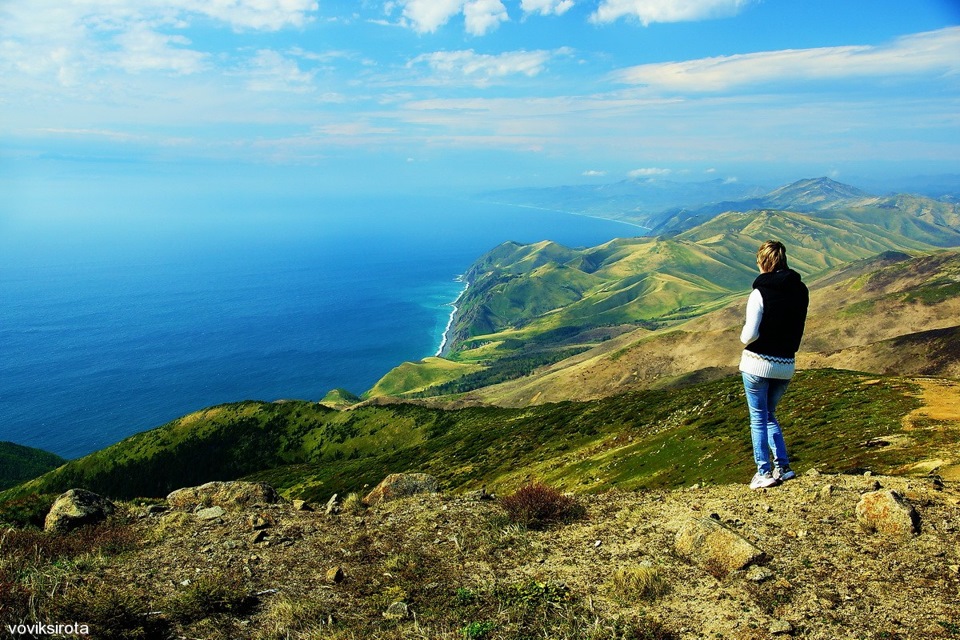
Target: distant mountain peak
[[819, 191]]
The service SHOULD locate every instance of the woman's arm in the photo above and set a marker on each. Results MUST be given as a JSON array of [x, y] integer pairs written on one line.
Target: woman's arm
[[751, 328]]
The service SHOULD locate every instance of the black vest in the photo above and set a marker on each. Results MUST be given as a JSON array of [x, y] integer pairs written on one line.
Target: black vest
[[785, 300]]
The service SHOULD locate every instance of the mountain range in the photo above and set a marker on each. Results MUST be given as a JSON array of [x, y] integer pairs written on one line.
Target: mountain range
[[543, 305], [611, 366]]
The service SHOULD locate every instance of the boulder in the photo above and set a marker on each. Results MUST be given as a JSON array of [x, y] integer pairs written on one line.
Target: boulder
[[75, 508], [887, 512], [224, 494], [716, 548], [401, 485]]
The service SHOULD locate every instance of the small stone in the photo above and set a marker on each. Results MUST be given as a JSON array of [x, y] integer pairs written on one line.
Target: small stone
[[779, 627], [301, 505], [826, 491], [812, 473], [332, 506], [210, 513], [335, 575], [874, 486], [258, 537], [597, 543], [759, 574], [867, 474], [258, 522], [397, 611]]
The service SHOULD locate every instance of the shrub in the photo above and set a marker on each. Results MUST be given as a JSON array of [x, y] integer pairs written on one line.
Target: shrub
[[28, 511], [537, 506], [476, 630], [353, 504]]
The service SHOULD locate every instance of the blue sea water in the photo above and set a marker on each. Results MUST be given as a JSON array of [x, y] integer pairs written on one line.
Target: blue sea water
[[111, 327]]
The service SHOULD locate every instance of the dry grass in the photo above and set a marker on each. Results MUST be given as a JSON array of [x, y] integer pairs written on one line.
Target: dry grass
[[642, 582]]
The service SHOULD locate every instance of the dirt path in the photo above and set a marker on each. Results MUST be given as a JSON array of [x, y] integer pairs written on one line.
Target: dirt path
[[941, 404]]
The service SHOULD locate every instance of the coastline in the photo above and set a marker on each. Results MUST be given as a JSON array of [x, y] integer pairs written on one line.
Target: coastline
[[445, 341]]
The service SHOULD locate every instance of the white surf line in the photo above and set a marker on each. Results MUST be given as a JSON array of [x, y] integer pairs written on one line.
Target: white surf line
[[453, 314]]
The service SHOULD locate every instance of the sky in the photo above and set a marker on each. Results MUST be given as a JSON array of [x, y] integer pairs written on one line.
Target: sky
[[444, 96]]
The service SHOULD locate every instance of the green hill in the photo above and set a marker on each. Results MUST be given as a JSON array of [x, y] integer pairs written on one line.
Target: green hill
[[889, 314], [19, 464], [644, 439], [530, 306]]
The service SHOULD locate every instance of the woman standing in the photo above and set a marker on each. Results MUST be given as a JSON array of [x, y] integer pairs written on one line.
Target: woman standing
[[776, 314]]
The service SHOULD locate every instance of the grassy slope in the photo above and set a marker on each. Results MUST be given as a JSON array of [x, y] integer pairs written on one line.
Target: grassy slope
[[19, 464], [881, 315], [522, 294], [645, 439], [411, 377]]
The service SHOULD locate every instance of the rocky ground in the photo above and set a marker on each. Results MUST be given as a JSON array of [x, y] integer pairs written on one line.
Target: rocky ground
[[443, 566]]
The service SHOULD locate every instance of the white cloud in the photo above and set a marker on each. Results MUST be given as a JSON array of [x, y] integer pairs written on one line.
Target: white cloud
[[922, 53], [546, 7], [482, 68], [264, 15], [143, 49], [649, 172], [271, 71], [593, 173], [648, 11], [426, 16], [481, 16], [73, 40]]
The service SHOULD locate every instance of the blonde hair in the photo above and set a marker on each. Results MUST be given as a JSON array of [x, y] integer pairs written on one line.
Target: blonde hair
[[772, 256]]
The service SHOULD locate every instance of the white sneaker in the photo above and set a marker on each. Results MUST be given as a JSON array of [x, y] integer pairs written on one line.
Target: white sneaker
[[763, 480], [784, 473]]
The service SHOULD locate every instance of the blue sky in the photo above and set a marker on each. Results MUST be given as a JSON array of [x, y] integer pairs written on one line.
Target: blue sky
[[463, 95]]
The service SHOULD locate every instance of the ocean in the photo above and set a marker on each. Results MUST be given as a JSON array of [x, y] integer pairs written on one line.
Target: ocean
[[112, 327]]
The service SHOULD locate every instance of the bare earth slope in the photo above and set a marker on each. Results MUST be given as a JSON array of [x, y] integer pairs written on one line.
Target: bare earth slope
[[455, 564]]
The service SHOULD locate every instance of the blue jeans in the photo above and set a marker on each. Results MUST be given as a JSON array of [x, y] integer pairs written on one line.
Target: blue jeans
[[763, 394]]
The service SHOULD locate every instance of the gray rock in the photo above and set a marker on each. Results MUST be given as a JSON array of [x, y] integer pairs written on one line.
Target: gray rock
[[714, 547], [209, 513], [224, 494], [759, 574], [887, 512], [76, 508], [779, 627], [397, 611], [401, 485], [332, 506]]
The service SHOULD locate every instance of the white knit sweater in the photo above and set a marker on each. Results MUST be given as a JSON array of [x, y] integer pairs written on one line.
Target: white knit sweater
[[755, 363]]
